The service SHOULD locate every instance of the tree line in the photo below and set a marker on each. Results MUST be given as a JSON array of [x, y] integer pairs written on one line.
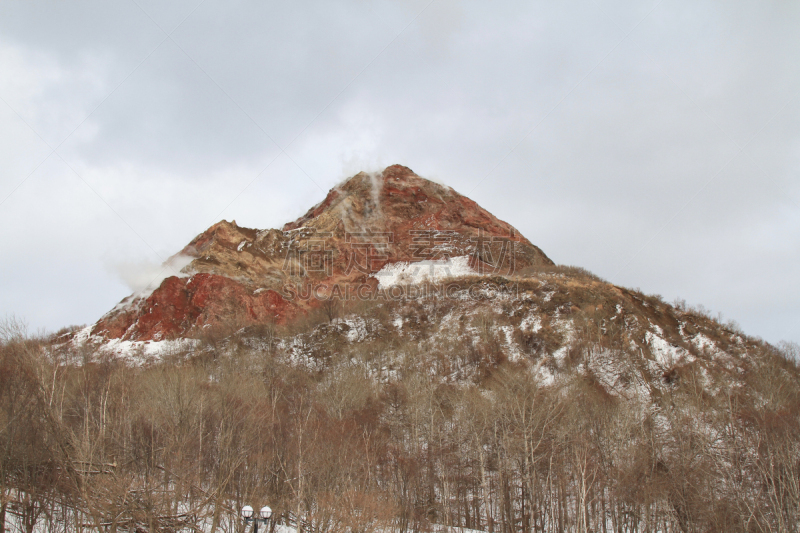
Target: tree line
[[374, 438]]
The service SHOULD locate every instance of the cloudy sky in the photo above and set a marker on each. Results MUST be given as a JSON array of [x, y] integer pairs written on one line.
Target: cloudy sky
[[656, 143]]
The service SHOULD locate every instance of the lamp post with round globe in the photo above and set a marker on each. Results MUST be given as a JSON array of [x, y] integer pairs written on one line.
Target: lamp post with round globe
[[263, 516]]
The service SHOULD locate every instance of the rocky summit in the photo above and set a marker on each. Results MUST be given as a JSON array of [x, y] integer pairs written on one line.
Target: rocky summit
[[369, 221]]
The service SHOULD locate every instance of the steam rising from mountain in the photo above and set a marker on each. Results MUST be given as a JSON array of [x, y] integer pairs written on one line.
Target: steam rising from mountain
[[143, 277]]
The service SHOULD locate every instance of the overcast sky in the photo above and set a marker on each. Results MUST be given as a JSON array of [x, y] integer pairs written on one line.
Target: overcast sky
[[656, 143]]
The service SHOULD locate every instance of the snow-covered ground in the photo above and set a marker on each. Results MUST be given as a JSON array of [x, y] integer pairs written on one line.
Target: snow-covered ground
[[404, 273], [135, 352]]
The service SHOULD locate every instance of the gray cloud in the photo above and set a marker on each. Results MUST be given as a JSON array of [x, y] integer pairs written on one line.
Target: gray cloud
[[660, 151]]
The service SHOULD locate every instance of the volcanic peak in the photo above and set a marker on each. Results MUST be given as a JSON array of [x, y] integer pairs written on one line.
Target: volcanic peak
[[240, 274]]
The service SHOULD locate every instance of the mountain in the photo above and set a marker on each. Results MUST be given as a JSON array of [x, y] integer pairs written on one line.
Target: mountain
[[395, 360], [249, 276], [392, 243]]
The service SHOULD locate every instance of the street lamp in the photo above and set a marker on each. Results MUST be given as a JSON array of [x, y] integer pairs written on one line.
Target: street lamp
[[263, 516]]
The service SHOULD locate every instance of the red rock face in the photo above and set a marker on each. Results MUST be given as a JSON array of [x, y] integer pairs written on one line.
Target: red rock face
[[238, 275], [182, 306]]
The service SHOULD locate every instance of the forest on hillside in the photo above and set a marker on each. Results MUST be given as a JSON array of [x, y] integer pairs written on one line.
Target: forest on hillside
[[379, 435]]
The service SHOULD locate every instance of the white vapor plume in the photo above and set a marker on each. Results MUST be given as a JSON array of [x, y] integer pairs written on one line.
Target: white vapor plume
[[143, 277], [376, 185]]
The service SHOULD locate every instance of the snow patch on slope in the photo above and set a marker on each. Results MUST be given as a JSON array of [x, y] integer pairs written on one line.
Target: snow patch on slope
[[357, 328], [532, 323], [135, 352], [405, 273], [665, 353], [702, 342]]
